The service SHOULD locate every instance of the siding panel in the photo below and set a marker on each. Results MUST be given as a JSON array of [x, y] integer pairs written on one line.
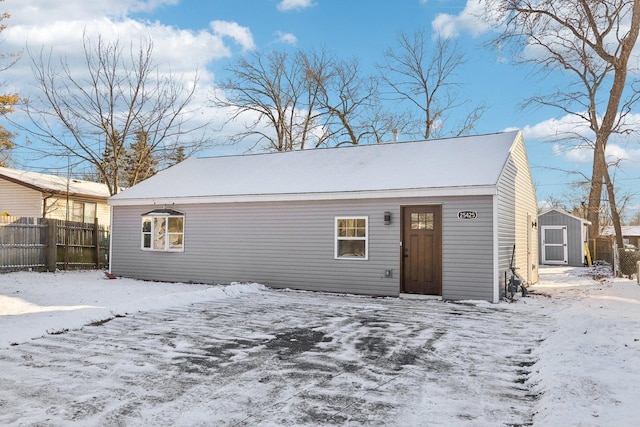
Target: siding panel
[[467, 249], [19, 200], [517, 209], [291, 244], [575, 235]]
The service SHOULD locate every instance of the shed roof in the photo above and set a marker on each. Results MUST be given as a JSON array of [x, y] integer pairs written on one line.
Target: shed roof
[[55, 184], [462, 165], [563, 212]]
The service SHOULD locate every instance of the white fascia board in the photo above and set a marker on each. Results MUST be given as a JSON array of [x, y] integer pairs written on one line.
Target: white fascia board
[[486, 190]]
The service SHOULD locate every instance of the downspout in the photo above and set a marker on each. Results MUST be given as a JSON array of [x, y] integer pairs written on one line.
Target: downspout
[[496, 252], [110, 237], [44, 205]]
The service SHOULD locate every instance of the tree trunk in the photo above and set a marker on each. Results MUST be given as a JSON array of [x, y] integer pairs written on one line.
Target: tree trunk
[[595, 193], [615, 216]]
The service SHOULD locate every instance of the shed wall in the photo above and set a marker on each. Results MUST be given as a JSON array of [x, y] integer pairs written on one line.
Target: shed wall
[[575, 240], [291, 244]]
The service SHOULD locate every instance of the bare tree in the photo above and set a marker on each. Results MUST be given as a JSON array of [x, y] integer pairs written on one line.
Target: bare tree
[[269, 93], [591, 42], [302, 100], [350, 101], [7, 100], [635, 219], [423, 74], [96, 114], [7, 103]]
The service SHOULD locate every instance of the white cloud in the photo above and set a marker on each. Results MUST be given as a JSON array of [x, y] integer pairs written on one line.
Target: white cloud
[[46, 12], [573, 154], [286, 5], [286, 38], [180, 52], [57, 28], [575, 150], [239, 34], [481, 16], [472, 19], [584, 155]]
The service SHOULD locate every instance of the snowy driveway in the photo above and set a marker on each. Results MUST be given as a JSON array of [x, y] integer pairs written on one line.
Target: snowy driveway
[[282, 358]]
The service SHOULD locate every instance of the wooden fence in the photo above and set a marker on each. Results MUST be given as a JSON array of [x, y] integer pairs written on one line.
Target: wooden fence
[[601, 249], [49, 244]]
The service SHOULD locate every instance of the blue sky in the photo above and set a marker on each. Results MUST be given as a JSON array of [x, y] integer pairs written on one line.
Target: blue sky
[[206, 35]]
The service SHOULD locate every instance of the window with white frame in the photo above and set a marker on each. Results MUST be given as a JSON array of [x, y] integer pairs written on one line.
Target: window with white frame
[[163, 230], [351, 237], [83, 211]]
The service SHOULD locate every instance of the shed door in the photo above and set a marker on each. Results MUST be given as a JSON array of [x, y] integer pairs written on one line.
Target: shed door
[[554, 244], [422, 250]]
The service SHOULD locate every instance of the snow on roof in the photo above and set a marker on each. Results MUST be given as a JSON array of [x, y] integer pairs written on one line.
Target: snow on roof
[[472, 162], [627, 230], [55, 184]]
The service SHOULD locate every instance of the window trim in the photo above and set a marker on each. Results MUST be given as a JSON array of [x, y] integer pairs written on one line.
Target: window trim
[[165, 214], [81, 207], [337, 238]]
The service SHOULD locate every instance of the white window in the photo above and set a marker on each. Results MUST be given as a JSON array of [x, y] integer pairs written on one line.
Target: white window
[[351, 238], [163, 230], [83, 212]]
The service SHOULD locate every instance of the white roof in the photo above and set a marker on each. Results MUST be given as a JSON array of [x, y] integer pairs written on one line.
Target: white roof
[[55, 184], [627, 230], [452, 166]]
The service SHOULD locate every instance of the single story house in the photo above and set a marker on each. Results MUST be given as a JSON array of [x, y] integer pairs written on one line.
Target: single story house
[[630, 234], [564, 238], [38, 195], [436, 217]]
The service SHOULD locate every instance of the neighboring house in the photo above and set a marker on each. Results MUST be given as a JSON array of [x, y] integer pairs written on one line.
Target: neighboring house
[[32, 194], [630, 234], [564, 238], [436, 217]]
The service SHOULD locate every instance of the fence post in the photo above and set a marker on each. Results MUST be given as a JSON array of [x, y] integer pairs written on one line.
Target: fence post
[[52, 244], [96, 242]]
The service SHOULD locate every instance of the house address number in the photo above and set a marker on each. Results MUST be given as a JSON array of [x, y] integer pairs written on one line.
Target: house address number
[[467, 215]]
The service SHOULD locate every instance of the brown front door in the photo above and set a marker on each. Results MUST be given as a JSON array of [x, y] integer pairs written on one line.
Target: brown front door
[[422, 250]]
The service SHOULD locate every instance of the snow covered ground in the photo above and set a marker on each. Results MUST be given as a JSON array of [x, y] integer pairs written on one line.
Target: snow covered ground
[[79, 349]]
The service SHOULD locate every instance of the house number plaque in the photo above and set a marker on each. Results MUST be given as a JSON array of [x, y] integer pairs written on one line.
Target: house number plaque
[[467, 215]]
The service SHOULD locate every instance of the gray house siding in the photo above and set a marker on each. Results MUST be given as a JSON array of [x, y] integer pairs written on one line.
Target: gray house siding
[[517, 213], [291, 244], [575, 238], [506, 205], [467, 249]]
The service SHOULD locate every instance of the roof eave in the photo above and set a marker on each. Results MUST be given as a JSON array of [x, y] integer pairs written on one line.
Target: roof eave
[[480, 190], [51, 191], [563, 212]]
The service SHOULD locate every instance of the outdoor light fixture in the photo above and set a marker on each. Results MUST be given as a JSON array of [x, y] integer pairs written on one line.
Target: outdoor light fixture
[[387, 218]]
